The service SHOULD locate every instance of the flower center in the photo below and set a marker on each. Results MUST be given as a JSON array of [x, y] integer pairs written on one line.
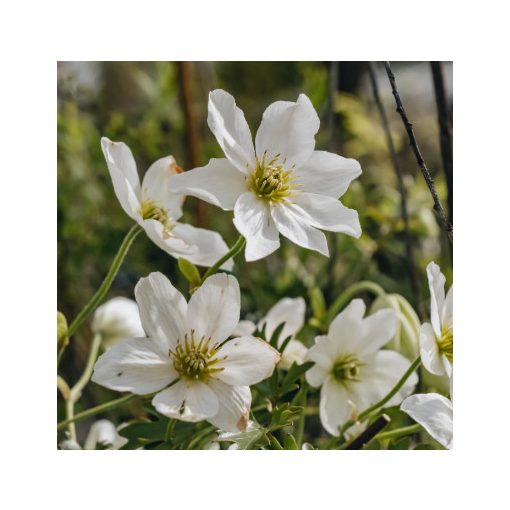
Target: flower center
[[347, 368], [193, 360], [270, 181], [445, 343], [150, 210]]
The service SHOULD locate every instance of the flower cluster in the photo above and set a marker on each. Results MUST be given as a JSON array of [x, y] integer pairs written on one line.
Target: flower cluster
[[196, 361]]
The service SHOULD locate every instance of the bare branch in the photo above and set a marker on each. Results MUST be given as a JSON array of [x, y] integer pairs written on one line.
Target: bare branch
[[438, 207]]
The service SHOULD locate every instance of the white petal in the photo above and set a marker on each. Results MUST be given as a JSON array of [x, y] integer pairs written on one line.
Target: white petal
[[210, 246], [334, 406], [346, 329], [219, 183], [434, 413], [329, 214], [244, 328], [187, 400], [246, 360], [288, 311], [213, 310], [253, 220], [328, 174], [138, 365], [162, 309], [429, 350], [378, 329], [295, 352], [122, 168], [323, 354], [379, 374], [166, 240], [234, 406], [104, 433], [156, 186], [117, 319], [447, 312], [294, 225], [288, 129], [230, 128], [436, 287]]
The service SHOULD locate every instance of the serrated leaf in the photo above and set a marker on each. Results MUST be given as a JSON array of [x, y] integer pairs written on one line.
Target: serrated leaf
[[247, 439]]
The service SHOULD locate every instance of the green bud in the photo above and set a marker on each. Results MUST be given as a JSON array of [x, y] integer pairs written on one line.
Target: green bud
[[407, 337], [190, 272], [317, 303], [62, 332]]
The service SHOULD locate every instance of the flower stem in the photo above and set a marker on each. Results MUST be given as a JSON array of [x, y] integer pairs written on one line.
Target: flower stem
[[96, 410], [107, 282], [236, 248], [300, 428], [349, 293], [403, 431], [367, 412]]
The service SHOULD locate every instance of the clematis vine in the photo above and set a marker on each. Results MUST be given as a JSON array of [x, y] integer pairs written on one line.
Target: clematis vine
[[280, 185], [351, 369], [185, 359], [436, 337], [157, 208]]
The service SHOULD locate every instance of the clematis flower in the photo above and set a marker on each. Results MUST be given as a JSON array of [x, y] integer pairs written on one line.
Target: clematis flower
[[280, 186], [436, 338], [434, 413], [350, 367], [291, 313], [117, 319], [197, 374], [156, 208]]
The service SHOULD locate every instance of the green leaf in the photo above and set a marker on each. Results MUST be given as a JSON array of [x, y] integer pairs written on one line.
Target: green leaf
[[284, 415], [293, 374], [254, 435], [289, 443]]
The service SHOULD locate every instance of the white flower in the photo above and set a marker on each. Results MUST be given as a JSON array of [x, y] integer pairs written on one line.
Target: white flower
[[291, 313], [156, 208], [104, 433], [69, 444], [117, 319], [186, 346], [350, 367], [434, 413], [436, 339], [280, 186]]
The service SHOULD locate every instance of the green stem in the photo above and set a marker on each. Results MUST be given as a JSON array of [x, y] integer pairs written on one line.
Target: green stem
[[365, 414], [107, 282], [238, 246], [96, 410], [403, 431], [300, 428], [349, 293]]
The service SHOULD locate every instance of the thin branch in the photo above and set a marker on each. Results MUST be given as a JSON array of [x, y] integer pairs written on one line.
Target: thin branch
[[438, 207], [445, 130], [369, 433], [403, 194]]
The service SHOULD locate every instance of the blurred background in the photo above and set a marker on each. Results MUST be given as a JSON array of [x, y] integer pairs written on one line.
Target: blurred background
[[160, 108]]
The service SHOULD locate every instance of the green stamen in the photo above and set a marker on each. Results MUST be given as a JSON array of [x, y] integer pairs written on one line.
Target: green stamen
[[347, 368], [445, 343]]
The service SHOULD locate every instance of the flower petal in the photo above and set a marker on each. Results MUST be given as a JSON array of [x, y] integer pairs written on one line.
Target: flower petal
[[213, 310], [188, 401], [292, 223], [346, 329], [334, 406], [288, 129], [288, 311], [447, 311], [326, 173], [246, 360], [210, 246], [244, 328], [429, 350], [138, 365], [234, 406], [295, 352], [253, 220], [436, 287], [156, 186], [166, 240], [219, 183], [162, 309], [378, 329], [122, 168], [104, 433], [230, 128], [434, 413], [329, 214], [323, 353]]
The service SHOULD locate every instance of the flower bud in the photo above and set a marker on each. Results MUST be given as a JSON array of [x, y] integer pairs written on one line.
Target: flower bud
[[407, 336], [62, 332], [117, 319]]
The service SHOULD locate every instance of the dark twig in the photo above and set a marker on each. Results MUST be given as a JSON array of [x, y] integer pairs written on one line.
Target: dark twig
[[448, 227], [403, 194], [445, 130], [369, 433]]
